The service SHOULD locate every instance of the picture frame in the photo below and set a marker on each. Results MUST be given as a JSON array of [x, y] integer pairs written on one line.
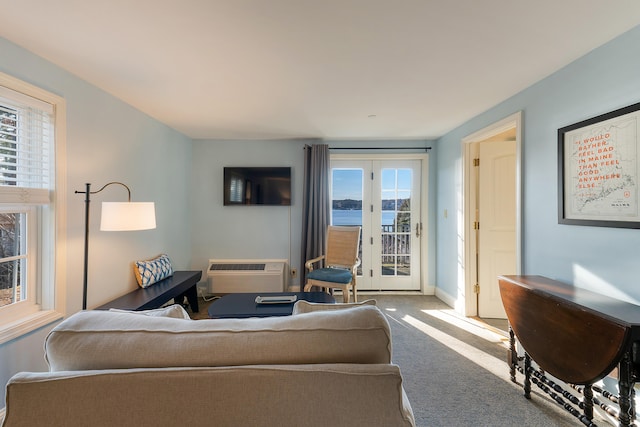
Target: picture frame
[[598, 170]]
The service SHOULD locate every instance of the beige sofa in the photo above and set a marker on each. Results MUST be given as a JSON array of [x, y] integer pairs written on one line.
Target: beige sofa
[[314, 368]]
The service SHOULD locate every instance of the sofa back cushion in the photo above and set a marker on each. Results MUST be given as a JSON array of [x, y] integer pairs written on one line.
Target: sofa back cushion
[[108, 340]]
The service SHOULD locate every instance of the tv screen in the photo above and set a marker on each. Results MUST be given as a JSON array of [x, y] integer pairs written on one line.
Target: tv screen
[[257, 186]]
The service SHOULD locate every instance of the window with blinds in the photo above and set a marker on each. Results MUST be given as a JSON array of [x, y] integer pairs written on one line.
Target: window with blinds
[[26, 142], [32, 207]]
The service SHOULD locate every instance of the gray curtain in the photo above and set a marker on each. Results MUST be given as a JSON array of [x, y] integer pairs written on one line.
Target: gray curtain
[[315, 208]]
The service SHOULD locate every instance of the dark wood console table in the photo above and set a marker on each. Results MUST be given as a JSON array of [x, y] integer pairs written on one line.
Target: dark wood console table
[[181, 284], [576, 335]]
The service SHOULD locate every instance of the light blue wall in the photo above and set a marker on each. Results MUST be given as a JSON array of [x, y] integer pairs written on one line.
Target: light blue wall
[[602, 259], [107, 140], [264, 232], [243, 232]]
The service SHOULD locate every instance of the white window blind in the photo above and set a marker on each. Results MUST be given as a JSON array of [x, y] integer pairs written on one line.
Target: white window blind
[[26, 140]]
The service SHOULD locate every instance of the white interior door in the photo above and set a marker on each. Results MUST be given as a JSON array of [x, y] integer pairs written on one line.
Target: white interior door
[[497, 223], [384, 197]]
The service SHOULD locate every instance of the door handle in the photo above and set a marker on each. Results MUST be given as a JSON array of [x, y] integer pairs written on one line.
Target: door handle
[[418, 229]]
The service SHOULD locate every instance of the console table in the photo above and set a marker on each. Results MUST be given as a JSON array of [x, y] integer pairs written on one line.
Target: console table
[[577, 336], [177, 286]]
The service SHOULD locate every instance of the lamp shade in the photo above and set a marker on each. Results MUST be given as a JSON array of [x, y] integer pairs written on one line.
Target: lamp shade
[[128, 216]]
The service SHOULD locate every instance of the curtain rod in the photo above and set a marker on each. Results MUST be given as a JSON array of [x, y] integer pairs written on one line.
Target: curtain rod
[[380, 148], [376, 148]]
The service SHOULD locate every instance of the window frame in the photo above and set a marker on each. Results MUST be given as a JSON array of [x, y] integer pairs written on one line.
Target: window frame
[[48, 268], [30, 303]]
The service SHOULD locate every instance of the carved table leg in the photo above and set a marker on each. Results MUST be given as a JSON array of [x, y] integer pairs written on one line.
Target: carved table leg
[[527, 375], [625, 384], [632, 411], [512, 355], [588, 401]]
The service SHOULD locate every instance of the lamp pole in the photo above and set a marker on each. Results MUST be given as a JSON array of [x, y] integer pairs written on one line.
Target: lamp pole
[[87, 202]]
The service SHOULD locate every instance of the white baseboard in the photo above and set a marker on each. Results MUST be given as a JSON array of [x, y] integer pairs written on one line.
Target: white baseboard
[[445, 297], [429, 290]]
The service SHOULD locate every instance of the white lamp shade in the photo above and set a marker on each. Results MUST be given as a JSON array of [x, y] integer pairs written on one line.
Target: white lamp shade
[[128, 216]]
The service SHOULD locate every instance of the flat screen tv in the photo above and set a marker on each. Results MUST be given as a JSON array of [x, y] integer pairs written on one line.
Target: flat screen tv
[[257, 186]]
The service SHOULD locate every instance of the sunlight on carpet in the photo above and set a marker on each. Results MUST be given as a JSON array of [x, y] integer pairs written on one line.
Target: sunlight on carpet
[[490, 363], [470, 325]]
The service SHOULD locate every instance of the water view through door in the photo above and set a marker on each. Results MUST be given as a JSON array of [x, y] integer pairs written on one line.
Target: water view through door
[[382, 196]]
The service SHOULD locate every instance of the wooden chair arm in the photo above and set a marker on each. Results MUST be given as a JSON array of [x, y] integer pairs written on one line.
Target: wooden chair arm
[[309, 264], [354, 269]]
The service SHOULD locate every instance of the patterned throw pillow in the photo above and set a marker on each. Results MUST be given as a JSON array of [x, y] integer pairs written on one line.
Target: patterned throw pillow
[[152, 271]]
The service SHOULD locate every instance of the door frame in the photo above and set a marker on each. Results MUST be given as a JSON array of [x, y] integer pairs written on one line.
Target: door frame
[[469, 303], [424, 203]]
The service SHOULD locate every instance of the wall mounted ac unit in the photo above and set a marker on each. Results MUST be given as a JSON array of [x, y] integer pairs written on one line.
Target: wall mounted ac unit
[[245, 275]]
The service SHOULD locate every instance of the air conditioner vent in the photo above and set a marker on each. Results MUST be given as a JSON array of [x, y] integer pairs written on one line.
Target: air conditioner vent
[[246, 275], [231, 267]]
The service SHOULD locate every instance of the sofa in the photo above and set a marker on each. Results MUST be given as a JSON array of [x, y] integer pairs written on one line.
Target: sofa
[[317, 367]]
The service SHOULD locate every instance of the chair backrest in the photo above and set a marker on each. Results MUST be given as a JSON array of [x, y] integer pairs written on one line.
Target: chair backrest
[[342, 246]]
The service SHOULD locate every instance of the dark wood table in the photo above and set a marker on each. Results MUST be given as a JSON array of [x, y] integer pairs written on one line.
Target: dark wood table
[[181, 284], [243, 305], [576, 335]]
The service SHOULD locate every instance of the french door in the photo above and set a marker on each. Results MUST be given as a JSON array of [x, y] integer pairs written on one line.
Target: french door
[[384, 197]]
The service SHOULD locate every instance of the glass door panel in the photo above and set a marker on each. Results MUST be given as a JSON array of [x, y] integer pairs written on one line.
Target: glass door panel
[[383, 196], [396, 221], [346, 200]]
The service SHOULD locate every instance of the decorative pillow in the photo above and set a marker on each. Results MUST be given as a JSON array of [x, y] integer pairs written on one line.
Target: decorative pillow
[[152, 271], [302, 306], [175, 310]]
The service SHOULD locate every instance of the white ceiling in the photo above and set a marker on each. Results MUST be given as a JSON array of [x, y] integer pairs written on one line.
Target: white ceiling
[[331, 69]]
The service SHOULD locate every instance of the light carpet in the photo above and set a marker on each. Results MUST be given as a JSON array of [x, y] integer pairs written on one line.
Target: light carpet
[[454, 370]]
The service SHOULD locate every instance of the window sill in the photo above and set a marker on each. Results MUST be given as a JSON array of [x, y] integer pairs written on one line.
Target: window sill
[[27, 324]]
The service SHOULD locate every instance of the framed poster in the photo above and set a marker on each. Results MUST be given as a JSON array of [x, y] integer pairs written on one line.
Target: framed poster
[[598, 170]]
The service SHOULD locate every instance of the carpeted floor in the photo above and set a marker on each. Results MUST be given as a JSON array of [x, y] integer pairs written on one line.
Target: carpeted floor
[[203, 305], [454, 369]]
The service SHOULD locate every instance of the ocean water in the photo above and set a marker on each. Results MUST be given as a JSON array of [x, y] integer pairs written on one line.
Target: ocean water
[[354, 217]]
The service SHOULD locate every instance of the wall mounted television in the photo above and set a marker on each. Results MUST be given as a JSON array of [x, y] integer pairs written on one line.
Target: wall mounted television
[[257, 186]]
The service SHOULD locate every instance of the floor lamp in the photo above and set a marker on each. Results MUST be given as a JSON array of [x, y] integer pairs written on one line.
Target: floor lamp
[[116, 216]]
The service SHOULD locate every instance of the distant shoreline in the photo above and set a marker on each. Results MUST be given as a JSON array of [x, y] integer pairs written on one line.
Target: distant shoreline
[[356, 205]]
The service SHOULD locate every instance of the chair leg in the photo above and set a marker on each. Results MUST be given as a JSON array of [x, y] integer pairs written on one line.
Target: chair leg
[[345, 294], [355, 292], [307, 287]]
